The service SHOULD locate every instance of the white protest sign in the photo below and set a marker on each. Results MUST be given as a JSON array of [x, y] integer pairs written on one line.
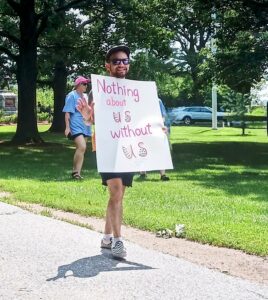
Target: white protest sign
[[128, 126]]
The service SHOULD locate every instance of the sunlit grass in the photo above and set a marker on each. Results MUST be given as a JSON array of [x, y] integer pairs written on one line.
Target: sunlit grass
[[218, 188]]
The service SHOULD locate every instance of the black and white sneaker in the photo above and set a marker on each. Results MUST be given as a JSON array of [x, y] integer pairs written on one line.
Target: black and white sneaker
[[118, 250]]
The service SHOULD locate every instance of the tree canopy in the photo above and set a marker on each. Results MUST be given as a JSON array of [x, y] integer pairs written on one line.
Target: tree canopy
[[44, 42]]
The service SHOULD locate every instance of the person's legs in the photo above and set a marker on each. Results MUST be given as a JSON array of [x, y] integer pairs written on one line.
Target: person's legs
[[81, 145], [143, 175], [106, 241], [162, 172], [163, 175], [114, 218], [115, 207]]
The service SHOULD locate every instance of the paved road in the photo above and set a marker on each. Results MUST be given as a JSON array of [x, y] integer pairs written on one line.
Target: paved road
[[43, 258]]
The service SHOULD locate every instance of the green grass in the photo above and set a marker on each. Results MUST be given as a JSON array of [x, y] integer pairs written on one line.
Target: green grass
[[218, 187]]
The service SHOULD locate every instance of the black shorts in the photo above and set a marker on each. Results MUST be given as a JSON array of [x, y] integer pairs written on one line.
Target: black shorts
[[72, 137], [127, 178]]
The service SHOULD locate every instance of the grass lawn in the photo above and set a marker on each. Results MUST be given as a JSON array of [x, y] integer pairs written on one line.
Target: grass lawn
[[218, 187]]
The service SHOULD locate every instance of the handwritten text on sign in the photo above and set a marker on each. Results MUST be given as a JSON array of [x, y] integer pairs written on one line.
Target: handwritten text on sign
[[128, 124]]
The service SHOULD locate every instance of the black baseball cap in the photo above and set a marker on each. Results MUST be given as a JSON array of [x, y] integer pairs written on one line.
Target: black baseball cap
[[117, 49]]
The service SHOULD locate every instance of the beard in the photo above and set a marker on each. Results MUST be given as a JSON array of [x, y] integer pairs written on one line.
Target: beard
[[121, 73]]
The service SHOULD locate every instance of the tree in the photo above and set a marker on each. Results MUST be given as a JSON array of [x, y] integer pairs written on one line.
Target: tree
[[20, 45], [237, 103], [190, 23], [71, 45], [242, 41], [242, 38], [62, 57], [172, 90]]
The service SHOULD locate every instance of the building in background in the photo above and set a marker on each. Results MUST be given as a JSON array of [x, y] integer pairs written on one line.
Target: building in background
[[8, 102]]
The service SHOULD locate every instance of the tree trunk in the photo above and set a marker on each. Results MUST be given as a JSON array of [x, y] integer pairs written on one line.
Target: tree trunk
[[197, 98], [193, 60], [59, 89], [27, 131]]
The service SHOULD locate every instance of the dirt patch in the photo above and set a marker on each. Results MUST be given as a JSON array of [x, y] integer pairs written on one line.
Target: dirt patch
[[4, 195], [228, 261]]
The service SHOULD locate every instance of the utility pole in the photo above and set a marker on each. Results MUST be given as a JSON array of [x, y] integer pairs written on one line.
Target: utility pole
[[214, 86]]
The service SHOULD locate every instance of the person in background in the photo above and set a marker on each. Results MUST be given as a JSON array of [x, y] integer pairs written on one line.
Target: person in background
[[75, 128], [163, 175]]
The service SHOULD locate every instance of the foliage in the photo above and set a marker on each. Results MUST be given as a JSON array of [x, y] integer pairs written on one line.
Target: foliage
[[238, 104], [135, 23], [44, 97], [72, 42], [242, 63], [258, 111], [242, 40], [190, 23], [8, 119], [173, 90], [22, 24], [44, 116]]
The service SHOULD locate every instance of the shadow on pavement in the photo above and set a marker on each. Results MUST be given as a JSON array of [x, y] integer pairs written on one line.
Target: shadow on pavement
[[92, 266]]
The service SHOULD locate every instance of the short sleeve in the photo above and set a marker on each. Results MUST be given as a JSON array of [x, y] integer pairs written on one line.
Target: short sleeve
[[70, 103]]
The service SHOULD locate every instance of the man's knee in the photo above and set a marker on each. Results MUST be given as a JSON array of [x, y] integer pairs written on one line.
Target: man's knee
[[116, 189]]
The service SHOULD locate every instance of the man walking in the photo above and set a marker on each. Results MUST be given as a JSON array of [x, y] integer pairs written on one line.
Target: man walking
[[117, 65]]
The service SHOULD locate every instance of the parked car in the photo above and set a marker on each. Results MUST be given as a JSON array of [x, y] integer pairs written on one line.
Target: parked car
[[173, 112], [8, 102], [189, 115]]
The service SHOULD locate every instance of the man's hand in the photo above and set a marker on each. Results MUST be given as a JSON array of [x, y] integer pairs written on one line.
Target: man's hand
[[85, 110]]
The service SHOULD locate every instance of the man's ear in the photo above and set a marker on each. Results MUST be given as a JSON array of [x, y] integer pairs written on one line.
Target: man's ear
[[108, 67]]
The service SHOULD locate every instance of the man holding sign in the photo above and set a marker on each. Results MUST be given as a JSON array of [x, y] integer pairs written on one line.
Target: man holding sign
[[128, 127]]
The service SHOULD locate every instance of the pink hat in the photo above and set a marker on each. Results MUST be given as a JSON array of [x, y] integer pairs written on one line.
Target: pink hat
[[81, 79]]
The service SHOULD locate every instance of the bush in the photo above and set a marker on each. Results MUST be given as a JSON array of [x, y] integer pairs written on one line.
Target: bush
[[44, 99], [8, 119], [44, 116]]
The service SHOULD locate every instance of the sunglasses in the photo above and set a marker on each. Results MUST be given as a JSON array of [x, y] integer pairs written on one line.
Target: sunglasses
[[84, 84], [118, 61]]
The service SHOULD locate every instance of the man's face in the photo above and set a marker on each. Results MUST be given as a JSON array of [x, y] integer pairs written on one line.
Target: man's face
[[118, 65]]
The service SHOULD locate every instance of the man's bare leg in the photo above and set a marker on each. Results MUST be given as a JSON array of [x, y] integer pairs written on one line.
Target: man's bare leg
[[115, 207], [114, 218]]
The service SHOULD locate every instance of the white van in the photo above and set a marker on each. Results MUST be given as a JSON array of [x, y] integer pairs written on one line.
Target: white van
[[8, 102]]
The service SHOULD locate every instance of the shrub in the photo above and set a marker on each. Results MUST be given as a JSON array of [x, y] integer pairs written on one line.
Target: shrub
[[8, 119], [44, 116]]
